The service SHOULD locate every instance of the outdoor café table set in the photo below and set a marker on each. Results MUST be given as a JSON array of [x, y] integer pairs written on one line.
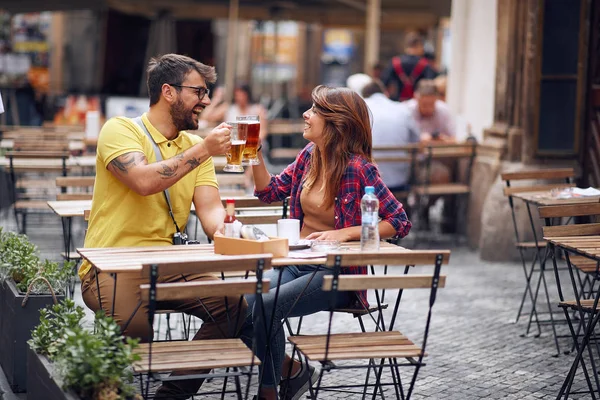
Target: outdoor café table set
[[587, 247], [385, 343]]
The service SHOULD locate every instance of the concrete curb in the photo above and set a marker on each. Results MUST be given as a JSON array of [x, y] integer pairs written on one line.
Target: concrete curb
[[5, 390]]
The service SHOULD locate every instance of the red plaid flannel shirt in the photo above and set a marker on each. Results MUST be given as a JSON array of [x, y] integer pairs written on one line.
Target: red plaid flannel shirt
[[359, 173]]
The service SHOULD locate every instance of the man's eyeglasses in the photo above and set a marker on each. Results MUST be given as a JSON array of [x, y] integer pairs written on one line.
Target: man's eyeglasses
[[201, 91]]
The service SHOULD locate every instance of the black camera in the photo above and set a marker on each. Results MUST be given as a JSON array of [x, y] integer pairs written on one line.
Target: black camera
[[180, 238]]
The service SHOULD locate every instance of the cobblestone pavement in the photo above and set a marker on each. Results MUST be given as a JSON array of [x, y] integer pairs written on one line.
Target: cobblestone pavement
[[475, 349]]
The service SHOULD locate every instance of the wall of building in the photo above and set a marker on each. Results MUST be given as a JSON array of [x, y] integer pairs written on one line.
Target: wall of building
[[472, 75]]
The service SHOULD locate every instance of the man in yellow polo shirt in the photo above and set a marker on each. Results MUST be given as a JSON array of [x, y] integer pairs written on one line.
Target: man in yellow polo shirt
[[129, 206]]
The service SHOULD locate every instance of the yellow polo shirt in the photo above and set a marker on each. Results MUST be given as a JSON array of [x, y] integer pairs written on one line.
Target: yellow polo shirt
[[122, 218]]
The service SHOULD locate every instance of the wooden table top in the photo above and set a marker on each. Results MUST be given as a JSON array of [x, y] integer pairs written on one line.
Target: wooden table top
[[545, 198], [131, 259], [588, 246]]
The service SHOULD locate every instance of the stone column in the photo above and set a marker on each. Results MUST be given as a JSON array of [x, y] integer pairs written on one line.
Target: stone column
[[372, 34]]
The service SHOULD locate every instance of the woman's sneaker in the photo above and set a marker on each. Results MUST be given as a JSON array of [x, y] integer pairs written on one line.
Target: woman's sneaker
[[294, 388]]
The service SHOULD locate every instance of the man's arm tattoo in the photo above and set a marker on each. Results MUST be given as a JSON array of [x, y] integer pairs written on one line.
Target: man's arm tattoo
[[167, 171], [126, 161], [193, 163]]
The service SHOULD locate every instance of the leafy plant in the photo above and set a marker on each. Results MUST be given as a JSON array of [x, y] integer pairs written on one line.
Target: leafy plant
[[54, 321], [20, 261], [97, 365]]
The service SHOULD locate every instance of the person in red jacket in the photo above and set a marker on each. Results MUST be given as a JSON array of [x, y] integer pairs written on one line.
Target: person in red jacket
[[405, 71]]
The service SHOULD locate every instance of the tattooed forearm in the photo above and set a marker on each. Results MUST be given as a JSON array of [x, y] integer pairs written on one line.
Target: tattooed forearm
[[193, 163], [126, 161], [168, 171]]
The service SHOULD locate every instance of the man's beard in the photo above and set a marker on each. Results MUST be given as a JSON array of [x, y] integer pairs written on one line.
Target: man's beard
[[182, 119]]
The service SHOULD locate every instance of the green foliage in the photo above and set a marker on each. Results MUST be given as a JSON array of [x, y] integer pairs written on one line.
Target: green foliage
[[54, 321], [94, 365], [20, 261]]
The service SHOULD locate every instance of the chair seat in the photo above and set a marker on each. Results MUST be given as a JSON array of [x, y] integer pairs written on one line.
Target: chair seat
[[586, 304], [584, 264], [195, 354], [442, 189], [352, 346], [531, 245], [361, 311]]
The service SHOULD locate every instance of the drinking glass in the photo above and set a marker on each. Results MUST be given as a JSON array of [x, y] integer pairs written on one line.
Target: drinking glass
[[250, 126], [234, 156]]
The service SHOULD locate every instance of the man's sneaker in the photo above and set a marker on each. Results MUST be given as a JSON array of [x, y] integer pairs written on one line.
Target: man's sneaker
[[293, 389]]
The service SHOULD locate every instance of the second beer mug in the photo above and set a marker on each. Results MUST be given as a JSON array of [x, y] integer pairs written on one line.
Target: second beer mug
[[250, 126], [234, 156]]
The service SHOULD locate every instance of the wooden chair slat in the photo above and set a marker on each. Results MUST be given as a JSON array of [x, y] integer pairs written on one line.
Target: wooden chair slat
[[550, 173], [37, 154], [536, 188], [209, 264], [389, 257], [359, 282], [569, 210], [190, 290], [572, 230]]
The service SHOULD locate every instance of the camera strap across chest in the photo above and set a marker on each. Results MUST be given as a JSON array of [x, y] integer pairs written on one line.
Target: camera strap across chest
[[140, 123]]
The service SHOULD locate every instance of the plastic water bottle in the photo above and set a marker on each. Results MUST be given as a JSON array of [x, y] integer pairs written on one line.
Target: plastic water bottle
[[369, 235]]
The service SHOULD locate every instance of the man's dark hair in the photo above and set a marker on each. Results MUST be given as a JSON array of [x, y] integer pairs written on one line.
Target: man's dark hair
[[412, 40], [172, 69], [371, 88]]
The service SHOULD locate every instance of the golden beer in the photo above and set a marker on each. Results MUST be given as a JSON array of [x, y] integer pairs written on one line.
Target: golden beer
[[250, 126], [234, 156], [236, 152]]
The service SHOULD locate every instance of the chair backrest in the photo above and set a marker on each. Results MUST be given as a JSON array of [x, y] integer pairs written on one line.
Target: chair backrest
[[155, 292], [572, 210], [75, 187], [338, 282], [551, 174]]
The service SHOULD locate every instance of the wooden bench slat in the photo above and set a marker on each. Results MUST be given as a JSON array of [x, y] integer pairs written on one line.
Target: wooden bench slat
[[442, 189], [572, 230]]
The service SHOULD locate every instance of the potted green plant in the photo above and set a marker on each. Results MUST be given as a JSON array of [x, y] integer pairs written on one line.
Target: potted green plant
[[67, 361], [27, 284]]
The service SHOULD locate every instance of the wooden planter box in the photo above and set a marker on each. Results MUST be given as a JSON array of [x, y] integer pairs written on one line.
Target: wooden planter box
[[41, 378], [16, 324]]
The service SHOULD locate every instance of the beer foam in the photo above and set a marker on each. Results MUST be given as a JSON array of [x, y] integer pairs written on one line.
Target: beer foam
[[237, 142]]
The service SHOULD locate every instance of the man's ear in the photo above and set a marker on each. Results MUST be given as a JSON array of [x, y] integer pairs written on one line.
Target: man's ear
[[168, 92]]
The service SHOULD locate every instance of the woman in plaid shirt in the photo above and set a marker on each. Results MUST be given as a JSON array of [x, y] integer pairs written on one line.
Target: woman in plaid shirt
[[325, 185]]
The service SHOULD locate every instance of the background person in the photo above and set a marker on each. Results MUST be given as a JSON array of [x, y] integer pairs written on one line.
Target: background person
[[393, 126], [326, 184], [405, 71]]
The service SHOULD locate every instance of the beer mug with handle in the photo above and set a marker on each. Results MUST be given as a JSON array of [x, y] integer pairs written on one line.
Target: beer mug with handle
[[250, 125], [234, 156]]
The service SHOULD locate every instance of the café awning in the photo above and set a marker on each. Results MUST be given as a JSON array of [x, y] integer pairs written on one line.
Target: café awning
[[395, 14]]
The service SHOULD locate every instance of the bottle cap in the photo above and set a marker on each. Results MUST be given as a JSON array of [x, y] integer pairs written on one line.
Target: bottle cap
[[369, 190], [230, 201]]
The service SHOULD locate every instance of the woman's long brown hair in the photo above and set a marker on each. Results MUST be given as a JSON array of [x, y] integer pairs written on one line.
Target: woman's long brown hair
[[347, 131]]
